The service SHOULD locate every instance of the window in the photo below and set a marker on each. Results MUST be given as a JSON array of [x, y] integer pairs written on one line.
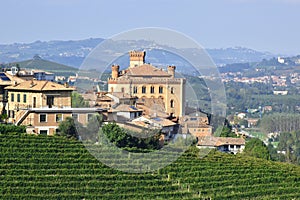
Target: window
[[122, 90], [152, 89], [231, 146], [43, 118], [12, 97], [161, 89], [238, 146], [134, 90], [43, 132], [172, 90], [50, 101], [112, 89], [172, 103], [89, 116], [18, 98], [11, 114], [24, 98], [75, 117], [58, 117], [144, 89]]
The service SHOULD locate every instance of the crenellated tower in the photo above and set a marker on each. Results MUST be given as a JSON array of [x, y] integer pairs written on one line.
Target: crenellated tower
[[137, 58]]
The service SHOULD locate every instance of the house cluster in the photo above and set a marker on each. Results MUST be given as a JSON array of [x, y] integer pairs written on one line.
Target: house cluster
[[141, 97], [276, 80]]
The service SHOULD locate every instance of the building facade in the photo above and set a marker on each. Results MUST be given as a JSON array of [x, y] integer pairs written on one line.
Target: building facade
[[148, 82]]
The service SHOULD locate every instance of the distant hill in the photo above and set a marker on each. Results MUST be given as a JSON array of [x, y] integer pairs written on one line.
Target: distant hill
[[73, 52], [39, 63], [43, 167]]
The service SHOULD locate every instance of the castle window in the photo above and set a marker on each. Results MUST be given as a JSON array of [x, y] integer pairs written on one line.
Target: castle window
[[172, 103], [161, 89], [152, 89], [172, 90], [134, 90], [12, 97], [18, 98], [144, 89], [122, 90], [24, 98]]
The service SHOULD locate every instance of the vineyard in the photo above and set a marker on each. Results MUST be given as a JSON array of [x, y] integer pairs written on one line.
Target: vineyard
[[41, 167]]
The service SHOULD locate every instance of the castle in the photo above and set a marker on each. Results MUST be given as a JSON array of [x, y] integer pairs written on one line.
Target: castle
[[147, 82]]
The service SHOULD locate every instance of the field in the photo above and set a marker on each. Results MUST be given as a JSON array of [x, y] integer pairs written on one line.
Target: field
[[41, 167]]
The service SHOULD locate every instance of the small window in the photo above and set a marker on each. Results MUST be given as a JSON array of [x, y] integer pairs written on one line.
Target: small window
[[89, 117], [152, 89], [59, 117], [134, 90], [43, 118], [75, 117], [18, 98], [172, 90], [231, 146], [238, 146], [144, 89], [24, 98], [172, 103], [43, 132], [11, 114], [12, 97], [161, 89], [122, 90]]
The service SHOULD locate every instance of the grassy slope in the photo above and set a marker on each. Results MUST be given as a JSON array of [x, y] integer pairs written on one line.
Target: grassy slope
[[40, 167]]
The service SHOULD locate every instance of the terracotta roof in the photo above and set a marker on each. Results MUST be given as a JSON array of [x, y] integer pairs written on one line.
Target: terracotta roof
[[219, 141], [38, 86], [147, 70], [11, 81], [127, 108]]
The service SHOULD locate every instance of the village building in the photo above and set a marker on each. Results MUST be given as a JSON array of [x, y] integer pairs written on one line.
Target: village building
[[42, 105], [223, 144]]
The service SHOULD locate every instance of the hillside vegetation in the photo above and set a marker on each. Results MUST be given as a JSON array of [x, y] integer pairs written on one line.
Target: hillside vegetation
[[41, 167]]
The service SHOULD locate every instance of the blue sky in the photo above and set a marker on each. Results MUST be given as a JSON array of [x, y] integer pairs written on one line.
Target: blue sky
[[266, 25]]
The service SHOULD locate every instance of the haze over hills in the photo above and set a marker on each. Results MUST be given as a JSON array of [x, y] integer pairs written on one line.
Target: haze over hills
[[73, 52]]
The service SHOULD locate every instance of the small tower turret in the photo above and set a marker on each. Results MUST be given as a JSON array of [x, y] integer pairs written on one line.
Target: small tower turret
[[137, 58], [115, 71]]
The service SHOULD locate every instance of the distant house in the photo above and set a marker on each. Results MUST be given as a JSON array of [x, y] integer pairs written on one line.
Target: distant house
[[127, 112], [223, 144], [280, 92]]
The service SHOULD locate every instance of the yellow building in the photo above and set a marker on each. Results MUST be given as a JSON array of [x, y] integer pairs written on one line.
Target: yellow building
[[148, 82]]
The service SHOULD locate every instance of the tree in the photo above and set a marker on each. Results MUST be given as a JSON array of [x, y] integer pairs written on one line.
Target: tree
[[256, 148], [93, 126], [78, 101], [68, 128]]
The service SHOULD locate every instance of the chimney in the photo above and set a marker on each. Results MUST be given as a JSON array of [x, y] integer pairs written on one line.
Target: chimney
[[171, 70]]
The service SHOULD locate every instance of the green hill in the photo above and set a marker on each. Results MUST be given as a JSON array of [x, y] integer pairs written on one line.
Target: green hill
[[41, 167], [41, 64]]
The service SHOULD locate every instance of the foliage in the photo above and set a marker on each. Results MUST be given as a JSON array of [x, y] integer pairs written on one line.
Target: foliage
[[67, 128], [5, 129], [256, 148], [78, 101], [290, 143], [280, 122], [125, 138], [226, 132]]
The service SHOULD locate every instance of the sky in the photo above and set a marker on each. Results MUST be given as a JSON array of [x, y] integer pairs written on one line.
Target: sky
[[264, 25]]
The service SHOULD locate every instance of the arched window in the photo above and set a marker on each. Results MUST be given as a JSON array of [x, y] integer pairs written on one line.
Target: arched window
[[161, 90], [152, 89], [134, 90], [172, 90], [144, 89], [172, 103]]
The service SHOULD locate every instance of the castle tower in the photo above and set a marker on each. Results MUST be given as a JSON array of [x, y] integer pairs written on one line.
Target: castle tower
[[171, 70], [115, 71], [137, 58]]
